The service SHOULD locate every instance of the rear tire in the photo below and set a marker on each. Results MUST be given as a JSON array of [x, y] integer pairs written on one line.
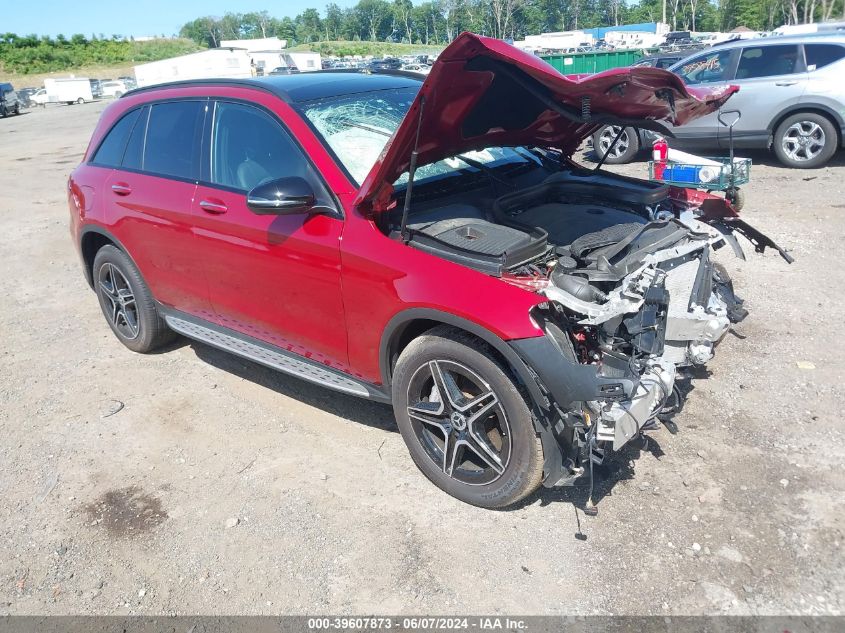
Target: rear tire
[[805, 140], [626, 148], [479, 445], [127, 303], [80, 101]]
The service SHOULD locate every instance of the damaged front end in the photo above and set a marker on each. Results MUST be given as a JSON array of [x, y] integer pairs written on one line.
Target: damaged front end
[[630, 310]]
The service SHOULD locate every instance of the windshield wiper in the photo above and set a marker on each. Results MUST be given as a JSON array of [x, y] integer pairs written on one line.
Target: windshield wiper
[[368, 128]]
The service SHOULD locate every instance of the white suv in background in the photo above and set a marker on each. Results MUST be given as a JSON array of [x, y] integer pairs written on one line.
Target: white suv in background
[[114, 89], [791, 98]]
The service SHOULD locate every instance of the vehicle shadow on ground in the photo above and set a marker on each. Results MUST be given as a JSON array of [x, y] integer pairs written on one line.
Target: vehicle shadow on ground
[[373, 414], [617, 468]]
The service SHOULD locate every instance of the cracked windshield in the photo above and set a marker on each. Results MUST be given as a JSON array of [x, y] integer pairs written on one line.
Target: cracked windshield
[[357, 127]]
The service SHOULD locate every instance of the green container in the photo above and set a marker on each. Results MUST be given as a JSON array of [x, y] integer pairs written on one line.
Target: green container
[[596, 62]]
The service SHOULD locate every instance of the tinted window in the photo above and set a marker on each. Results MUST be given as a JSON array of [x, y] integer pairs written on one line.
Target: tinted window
[[173, 132], [705, 68], [820, 55], [133, 157], [665, 63], [767, 61], [111, 149], [250, 147]]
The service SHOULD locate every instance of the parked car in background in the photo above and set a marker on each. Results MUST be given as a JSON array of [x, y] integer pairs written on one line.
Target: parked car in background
[[113, 88], [9, 102], [39, 98], [664, 60], [388, 63], [96, 88], [284, 70], [524, 314], [129, 82], [25, 96], [791, 100], [422, 69]]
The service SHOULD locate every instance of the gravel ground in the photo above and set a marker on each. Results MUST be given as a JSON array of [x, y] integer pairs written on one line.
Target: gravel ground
[[221, 487]]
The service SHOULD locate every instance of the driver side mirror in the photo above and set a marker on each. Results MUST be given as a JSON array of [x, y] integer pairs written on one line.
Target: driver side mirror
[[283, 196]]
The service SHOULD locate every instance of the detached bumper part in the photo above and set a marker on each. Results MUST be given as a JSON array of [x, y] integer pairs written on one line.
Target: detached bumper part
[[621, 421]]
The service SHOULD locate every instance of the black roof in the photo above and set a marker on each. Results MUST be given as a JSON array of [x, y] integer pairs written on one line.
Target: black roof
[[309, 85]]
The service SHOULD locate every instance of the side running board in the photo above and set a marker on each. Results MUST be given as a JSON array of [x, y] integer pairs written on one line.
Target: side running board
[[273, 358]]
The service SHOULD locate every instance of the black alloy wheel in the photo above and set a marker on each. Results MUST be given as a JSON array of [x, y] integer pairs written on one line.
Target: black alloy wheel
[[459, 422], [118, 301]]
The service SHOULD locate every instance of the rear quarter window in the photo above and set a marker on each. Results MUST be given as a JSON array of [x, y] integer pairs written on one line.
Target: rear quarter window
[[820, 55], [110, 151]]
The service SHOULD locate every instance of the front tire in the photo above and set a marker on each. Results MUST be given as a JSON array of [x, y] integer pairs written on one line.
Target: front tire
[[127, 303], [465, 422], [805, 141], [626, 148]]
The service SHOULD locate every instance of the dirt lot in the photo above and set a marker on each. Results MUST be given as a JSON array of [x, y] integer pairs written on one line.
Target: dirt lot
[[222, 487]]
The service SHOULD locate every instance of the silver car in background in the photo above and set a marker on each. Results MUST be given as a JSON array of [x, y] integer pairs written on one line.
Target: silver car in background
[[791, 97]]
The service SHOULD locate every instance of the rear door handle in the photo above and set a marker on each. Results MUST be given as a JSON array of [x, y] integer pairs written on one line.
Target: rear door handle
[[213, 206], [121, 188], [785, 83]]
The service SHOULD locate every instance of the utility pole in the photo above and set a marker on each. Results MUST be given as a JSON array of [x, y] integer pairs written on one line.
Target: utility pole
[[664, 11]]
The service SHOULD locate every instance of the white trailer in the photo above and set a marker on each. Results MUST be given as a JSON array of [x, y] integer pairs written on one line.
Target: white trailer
[[560, 41], [216, 63], [68, 90]]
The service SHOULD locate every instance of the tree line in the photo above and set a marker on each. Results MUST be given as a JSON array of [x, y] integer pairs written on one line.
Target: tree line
[[34, 54], [433, 22], [440, 21]]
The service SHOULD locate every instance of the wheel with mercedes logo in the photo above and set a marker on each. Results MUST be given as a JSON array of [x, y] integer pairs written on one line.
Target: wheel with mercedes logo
[[467, 425]]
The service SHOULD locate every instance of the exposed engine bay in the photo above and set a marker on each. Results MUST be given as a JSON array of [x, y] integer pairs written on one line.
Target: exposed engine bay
[[633, 297]]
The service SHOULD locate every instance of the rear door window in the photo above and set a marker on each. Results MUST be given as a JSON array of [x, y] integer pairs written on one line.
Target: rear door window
[[768, 61], [171, 146], [110, 152], [820, 55]]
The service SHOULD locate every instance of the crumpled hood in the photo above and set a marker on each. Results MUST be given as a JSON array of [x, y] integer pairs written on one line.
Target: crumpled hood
[[482, 92]]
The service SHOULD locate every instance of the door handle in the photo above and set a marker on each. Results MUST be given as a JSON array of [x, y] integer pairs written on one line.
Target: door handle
[[210, 206], [785, 83], [121, 188]]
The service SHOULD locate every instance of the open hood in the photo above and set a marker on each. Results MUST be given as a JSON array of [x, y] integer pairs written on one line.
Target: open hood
[[482, 92]]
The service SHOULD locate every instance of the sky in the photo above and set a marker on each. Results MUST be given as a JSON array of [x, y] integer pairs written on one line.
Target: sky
[[132, 17]]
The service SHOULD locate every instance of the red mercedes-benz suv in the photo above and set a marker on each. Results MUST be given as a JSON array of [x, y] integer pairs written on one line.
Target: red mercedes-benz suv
[[430, 244]]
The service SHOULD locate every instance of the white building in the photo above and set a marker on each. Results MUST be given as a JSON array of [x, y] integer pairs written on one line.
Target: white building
[[268, 53], [259, 44], [215, 63]]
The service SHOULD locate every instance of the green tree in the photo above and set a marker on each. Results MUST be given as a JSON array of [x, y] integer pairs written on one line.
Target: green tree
[[333, 22]]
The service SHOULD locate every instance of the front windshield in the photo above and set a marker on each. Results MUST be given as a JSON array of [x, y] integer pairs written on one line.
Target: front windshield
[[357, 127]]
